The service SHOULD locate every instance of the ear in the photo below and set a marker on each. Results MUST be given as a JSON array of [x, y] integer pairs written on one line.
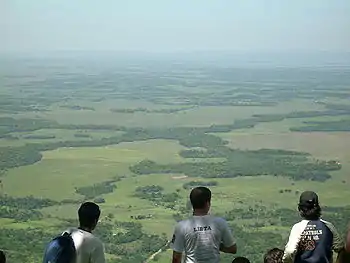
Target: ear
[[208, 204]]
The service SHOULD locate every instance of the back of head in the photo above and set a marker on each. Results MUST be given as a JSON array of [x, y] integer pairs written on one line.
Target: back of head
[[274, 255], [200, 197], [309, 206], [89, 213], [241, 260], [2, 257]]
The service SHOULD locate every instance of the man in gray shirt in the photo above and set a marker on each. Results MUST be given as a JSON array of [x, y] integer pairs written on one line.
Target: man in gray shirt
[[201, 237]]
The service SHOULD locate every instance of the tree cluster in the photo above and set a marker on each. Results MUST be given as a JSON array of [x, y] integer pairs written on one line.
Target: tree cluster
[[97, 189], [193, 184], [155, 194], [244, 163]]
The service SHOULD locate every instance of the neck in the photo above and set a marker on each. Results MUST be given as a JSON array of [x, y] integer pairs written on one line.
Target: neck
[[200, 212], [87, 229]]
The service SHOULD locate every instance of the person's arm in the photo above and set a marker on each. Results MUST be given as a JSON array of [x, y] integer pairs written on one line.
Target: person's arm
[[347, 244], [293, 241], [177, 244], [231, 249], [176, 257], [98, 254], [338, 243], [228, 243]]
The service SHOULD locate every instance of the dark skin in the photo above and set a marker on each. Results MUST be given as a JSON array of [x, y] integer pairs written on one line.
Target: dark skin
[[177, 256], [89, 229], [2, 257], [347, 244]]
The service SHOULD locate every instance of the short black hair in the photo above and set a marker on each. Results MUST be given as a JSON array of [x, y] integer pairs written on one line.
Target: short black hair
[[274, 255], [199, 196], [2, 257], [240, 260], [88, 213]]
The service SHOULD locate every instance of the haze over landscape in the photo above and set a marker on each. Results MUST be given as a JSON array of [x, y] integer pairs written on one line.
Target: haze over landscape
[[168, 26], [131, 104]]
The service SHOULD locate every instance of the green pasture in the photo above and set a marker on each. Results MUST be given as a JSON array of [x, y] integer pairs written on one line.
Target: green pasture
[[197, 116], [61, 170], [60, 135]]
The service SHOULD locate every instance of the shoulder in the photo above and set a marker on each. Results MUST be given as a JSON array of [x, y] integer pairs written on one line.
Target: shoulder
[[182, 224], [326, 222], [97, 241], [94, 242], [86, 236], [219, 220], [329, 225], [300, 226], [70, 230]]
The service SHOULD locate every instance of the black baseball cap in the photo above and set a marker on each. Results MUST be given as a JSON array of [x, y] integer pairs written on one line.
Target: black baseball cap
[[308, 199]]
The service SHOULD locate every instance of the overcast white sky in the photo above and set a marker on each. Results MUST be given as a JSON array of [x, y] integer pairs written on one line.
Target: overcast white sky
[[173, 25]]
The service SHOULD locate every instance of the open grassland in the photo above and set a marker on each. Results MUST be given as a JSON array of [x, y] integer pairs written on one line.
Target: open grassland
[[56, 135], [61, 170], [155, 100], [276, 135], [196, 116]]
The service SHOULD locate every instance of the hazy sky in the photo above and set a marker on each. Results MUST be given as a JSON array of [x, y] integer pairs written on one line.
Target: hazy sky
[[172, 25]]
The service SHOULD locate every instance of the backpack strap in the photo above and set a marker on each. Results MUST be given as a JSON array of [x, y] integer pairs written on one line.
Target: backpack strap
[[68, 232]]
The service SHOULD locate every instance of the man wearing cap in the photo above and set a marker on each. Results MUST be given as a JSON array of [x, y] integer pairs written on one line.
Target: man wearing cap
[[312, 239]]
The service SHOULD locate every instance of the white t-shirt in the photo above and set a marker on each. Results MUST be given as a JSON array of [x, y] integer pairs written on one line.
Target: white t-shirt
[[89, 248], [199, 238]]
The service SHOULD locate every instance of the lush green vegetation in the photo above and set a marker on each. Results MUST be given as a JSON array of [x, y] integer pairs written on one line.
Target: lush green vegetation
[[244, 163], [22, 209], [324, 126], [238, 163], [154, 193], [28, 202], [82, 135], [190, 105], [168, 111], [95, 190], [77, 107], [8, 125], [128, 241], [193, 184], [40, 137], [11, 157], [24, 245]]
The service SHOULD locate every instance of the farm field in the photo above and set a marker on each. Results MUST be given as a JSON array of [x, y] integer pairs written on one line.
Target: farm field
[[136, 141]]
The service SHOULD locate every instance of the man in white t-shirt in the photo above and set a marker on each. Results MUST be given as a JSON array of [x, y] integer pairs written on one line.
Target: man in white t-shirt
[[89, 249], [201, 237]]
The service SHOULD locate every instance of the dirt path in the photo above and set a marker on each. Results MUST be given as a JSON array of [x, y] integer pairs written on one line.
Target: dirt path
[[156, 253]]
